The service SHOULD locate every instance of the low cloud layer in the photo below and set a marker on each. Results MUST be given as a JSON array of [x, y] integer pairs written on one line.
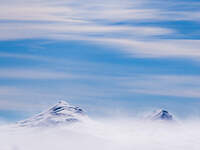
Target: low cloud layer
[[105, 135]]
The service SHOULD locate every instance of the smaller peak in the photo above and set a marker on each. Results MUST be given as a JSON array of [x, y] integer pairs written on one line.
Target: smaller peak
[[161, 114]]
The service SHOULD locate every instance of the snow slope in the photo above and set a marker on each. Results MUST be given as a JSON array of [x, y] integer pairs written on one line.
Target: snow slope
[[61, 113]]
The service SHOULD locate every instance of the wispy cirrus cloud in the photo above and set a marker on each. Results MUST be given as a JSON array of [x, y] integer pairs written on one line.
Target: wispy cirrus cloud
[[34, 74], [164, 85], [23, 56], [7, 90], [16, 98], [75, 31], [112, 22], [94, 11], [156, 48]]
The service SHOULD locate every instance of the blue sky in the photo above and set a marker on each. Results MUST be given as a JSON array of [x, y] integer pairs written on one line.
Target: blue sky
[[110, 57]]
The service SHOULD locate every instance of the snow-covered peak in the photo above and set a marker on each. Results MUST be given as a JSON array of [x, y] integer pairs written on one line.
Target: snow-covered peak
[[61, 113], [161, 114], [64, 108]]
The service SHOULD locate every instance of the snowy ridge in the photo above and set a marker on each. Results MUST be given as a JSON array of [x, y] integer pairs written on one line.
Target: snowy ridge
[[61, 113]]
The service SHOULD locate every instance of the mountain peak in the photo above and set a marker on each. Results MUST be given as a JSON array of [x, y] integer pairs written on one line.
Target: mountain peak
[[62, 107], [61, 113], [161, 114]]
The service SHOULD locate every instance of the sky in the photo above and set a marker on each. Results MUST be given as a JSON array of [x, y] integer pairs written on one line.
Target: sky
[[111, 57]]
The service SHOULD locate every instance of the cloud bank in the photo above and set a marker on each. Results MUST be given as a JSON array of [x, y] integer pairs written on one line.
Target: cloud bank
[[120, 134]]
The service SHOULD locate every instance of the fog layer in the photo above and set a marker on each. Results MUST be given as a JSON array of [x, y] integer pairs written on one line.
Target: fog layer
[[104, 135]]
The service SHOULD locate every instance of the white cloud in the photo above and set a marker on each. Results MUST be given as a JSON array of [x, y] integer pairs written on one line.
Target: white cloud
[[23, 56], [155, 48], [166, 85], [95, 21], [43, 19], [6, 90], [119, 134], [43, 30], [34, 74], [22, 99]]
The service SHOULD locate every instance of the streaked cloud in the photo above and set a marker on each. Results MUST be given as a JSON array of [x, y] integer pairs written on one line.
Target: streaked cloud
[[156, 48], [34, 74], [164, 85], [75, 31], [23, 56], [6, 90], [106, 21]]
